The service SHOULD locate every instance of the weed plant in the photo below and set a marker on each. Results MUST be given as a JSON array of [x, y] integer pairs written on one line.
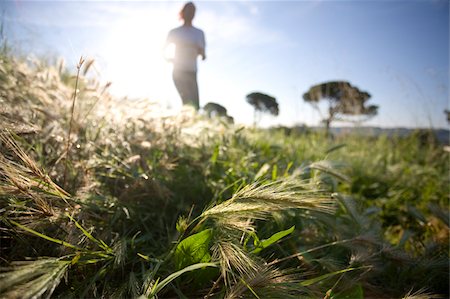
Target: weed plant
[[109, 198]]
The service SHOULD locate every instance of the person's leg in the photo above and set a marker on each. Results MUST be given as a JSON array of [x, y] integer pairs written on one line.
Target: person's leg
[[193, 97], [178, 79], [186, 85]]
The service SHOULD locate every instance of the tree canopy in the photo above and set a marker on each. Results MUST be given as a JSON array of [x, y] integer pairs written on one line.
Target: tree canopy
[[217, 110], [263, 103], [344, 101], [214, 109]]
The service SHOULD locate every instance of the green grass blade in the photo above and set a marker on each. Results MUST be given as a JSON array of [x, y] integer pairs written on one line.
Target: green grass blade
[[335, 148], [250, 288], [61, 242], [175, 275], [100, 243], [327, 167], [314, 280]]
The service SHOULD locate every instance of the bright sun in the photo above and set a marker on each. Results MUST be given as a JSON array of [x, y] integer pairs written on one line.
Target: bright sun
[[133, 56]]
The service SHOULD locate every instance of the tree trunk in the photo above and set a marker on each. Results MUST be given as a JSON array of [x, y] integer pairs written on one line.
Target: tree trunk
[[330, 117], [327, 127]]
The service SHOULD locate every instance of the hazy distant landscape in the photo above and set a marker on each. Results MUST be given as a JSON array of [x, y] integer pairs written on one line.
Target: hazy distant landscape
[[442, 135]]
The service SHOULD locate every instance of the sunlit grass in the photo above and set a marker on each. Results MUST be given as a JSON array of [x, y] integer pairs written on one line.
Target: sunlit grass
[[179, 205]]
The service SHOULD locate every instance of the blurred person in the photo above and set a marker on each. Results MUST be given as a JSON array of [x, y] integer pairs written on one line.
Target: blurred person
[[189, 43]]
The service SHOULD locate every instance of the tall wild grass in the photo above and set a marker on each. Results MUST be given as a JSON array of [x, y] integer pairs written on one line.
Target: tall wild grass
[[107, 197]]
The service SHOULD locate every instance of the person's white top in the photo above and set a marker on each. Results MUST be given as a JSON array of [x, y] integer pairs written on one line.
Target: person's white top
[[188, 41]]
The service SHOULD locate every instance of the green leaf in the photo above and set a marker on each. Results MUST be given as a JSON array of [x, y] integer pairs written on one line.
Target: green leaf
[[273, 239], [256, 241], [194, 249]]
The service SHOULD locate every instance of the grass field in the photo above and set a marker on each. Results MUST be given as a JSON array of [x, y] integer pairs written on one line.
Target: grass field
[[106, 198]]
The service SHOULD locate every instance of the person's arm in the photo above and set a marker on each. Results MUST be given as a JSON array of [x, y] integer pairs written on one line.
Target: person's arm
[[201, 52], [167, 47], [201, 48]]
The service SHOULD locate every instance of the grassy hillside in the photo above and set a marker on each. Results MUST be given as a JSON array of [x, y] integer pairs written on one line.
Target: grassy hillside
[[106, 198]]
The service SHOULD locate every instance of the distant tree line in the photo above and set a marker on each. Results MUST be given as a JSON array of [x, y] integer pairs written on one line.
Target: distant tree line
[[345, 103]]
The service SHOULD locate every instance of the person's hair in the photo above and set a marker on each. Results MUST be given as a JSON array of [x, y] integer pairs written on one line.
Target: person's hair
[[187, 13]]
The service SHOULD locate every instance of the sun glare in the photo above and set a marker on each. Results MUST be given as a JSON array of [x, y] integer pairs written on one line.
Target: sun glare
[[133, 57]]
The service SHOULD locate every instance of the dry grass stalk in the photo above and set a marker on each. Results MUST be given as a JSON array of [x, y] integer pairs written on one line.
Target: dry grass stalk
[[80, 63], [257, 201], [265, 283], [26, 178], [232, 258]]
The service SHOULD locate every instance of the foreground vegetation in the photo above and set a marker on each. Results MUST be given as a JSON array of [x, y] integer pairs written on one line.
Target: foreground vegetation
[[107, 198]]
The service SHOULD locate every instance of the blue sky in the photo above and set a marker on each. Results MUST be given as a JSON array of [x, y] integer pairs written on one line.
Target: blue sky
[[398, 51]]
